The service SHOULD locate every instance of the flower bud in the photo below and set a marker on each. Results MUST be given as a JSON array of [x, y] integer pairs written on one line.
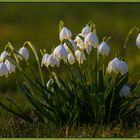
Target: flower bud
[[60, 53], [80, 56], [65, 33], [85, 30], [71, 58], [138, 41], [24, 52], [11, 68], [124, 68], [3, 70], [44, 59], [3, 55], [125, 91], [103, 49]]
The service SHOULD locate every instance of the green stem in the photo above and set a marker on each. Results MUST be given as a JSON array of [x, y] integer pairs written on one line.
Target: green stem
[[96, 70], [9, 45], [127, 39], [37, 60]]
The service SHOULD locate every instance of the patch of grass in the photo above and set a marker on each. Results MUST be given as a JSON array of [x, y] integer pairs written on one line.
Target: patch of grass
[[11, 126]]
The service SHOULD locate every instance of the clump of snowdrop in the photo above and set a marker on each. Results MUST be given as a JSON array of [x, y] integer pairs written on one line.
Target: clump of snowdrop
[[125, 91], [103, 49], [65, 33], [3, 56], [80, 56], [117, 66], [60, 53], [71, 58], [3, 70], [24, 52]]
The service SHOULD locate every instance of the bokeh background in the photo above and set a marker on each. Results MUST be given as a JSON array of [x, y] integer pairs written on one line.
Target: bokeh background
[[38, 22]]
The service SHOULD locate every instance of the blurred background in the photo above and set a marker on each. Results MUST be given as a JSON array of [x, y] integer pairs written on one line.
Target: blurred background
[[38, 22]]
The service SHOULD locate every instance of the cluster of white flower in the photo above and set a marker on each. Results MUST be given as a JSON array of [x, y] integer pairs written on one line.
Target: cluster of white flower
[[6, 66], [84, 41]]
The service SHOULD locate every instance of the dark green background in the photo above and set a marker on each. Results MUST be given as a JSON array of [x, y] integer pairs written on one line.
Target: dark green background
[[38, 22]]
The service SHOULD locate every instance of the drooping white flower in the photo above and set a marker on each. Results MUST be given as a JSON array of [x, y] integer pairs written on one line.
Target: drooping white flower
[[125, 91], [51, 61], [80, 44], [11, 68], [103, 49], [85, 30], [65, 33], [80, 56], [44, 59], [71, 58], [124, 68], [91, 40], [3, 55], [138, 41], [60, 53], [24, 52], [114, 66], [73, 45], [77, 38], [3, 70]]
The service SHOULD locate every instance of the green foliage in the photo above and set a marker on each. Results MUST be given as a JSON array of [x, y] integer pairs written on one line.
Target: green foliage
[[90, 95]]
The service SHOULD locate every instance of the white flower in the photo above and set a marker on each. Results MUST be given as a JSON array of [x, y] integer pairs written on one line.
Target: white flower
[[52, 61], [71, 58], [3, 55], [117, 66], [138, 41], [72, 43], [91, 40], [3, 70], [11, 68], [80, 56], [125, 91], [44, 59], [85, 30], [60, 53], [24, 52], [77, 38], [65, 33], [80, 44], [103, 49], [124, 68], [114, 66]]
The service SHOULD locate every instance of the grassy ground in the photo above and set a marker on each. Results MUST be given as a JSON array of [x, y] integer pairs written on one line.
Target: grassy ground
[[11, 126]]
